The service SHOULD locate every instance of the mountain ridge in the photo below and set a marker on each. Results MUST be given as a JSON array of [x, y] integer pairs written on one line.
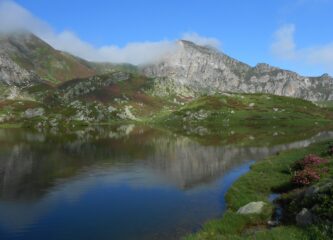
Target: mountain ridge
[[188, 71], [199, 68]]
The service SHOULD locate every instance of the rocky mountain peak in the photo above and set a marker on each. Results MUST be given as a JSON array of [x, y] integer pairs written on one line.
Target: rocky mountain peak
[[204, 69], [188, 45], [326, 76], [197, 67]]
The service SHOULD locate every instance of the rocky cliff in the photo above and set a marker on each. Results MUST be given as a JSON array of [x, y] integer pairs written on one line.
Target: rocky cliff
[[206, 69], [12, 74]]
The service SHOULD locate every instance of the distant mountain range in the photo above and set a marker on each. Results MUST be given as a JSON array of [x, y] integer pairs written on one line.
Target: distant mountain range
[[26, 60]]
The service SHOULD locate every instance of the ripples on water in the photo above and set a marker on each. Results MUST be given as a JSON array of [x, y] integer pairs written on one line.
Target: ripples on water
[[124, 182]]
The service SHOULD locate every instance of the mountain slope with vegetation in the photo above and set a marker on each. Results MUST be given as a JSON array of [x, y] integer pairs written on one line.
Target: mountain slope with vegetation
[[34, 55]]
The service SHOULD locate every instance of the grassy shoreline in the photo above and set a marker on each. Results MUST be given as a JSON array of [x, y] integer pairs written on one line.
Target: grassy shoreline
[[263, 179]]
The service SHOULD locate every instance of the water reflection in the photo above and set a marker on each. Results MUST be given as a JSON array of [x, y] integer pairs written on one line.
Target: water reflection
[[135, 181]]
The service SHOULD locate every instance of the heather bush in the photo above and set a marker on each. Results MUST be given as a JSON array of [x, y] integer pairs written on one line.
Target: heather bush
[[305, 177], [308, 170], [309, 161]]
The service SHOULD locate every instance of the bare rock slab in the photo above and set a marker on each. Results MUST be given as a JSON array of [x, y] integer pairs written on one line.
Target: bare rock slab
[[252, 208]]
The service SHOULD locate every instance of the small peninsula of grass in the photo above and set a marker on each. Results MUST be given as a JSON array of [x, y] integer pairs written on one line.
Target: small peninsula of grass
[[272, 175]]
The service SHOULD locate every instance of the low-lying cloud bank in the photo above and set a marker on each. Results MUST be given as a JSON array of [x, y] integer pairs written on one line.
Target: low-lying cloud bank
[[285, 47], [14, 17]]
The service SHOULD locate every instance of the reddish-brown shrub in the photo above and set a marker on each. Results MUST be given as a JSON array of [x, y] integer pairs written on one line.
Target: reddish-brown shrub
[[305, 177], [310, 160]]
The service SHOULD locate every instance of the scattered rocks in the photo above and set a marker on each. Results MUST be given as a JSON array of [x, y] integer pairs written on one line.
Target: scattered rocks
[[111, 109], [127, 114], [196, 116]]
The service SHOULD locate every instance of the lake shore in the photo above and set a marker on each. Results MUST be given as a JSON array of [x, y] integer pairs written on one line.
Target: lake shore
[[271, 176]]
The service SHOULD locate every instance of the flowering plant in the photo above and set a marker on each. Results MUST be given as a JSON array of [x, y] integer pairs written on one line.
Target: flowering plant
[[308, 170], [305, 177], [309, 161]]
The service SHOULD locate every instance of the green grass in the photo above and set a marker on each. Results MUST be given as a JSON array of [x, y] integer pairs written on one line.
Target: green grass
[[242, 119], [326, 104], [265, 177], [10, 125], [249, 110], [246, 119]]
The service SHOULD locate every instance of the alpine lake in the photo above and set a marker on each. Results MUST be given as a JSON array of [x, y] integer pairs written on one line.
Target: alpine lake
[[124, 181]]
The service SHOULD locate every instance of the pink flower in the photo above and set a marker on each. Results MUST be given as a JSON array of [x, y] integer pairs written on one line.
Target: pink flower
[[309, 160], [305, 177]]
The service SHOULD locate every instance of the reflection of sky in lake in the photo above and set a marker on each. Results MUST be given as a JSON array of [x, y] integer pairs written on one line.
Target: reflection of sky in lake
[[101, 205], [145, 185]]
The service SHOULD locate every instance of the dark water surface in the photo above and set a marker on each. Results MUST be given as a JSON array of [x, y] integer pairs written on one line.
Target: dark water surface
[[122, 183]]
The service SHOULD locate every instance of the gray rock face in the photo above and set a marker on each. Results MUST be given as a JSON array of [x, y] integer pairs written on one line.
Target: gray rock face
[[12, 74], [304, 218], [206, 69], [34, 112], [252, 208]]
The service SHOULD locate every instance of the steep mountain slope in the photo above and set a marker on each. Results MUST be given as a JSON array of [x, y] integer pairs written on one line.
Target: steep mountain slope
[[12, 74], [23, 56], [203, 69]]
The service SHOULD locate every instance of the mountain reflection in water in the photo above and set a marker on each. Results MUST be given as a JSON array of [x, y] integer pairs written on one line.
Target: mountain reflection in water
[[123, 182]]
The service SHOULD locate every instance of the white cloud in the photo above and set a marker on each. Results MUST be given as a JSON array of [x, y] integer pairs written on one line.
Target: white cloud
[[13, 17], [200, 40], [321, 55], [284, 47]]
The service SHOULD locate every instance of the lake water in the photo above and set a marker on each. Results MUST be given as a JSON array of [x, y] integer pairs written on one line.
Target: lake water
[[123, 182]]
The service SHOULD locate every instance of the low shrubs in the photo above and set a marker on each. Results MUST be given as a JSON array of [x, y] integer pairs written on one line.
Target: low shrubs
[[310, 160], [308, 170], [305, 177]]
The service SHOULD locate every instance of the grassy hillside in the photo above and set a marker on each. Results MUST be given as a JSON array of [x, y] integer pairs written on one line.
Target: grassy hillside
[[246, 118], [104, 99], [122, 96]]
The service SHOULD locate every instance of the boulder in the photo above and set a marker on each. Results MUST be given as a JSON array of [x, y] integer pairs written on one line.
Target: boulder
[[252, 208], [304, 218], [34, 112]]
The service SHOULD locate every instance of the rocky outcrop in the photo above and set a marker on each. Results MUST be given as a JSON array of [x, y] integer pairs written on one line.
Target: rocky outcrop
[[310, 205], [204, 69], [304, 218], [12, 74]]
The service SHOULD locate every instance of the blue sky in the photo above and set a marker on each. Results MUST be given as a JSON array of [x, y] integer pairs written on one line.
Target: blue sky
[[292, 34]]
